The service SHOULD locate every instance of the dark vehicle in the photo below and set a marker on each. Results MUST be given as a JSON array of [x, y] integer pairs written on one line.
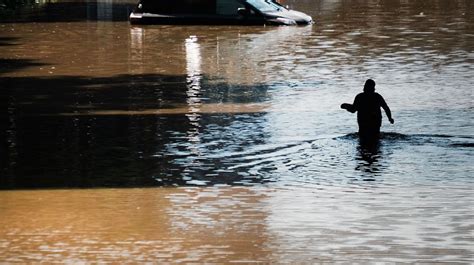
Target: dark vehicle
[[215, 12]]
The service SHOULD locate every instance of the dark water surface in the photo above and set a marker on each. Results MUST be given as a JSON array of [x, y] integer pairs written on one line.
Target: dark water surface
[[241, 128]]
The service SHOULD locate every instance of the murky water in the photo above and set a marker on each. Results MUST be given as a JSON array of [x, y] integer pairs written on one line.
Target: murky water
[[238, 135]]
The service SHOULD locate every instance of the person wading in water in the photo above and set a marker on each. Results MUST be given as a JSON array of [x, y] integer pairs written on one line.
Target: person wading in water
[[369, 117]]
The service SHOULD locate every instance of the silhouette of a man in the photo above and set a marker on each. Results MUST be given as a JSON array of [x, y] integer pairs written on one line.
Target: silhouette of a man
[[369, 117]]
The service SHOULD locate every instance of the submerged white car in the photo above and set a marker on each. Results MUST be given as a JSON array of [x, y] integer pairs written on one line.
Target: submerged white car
[[212, 12]]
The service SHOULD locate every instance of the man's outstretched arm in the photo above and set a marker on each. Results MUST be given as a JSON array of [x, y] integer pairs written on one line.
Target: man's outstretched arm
[[387, 111], [348, 107], [352, 107]]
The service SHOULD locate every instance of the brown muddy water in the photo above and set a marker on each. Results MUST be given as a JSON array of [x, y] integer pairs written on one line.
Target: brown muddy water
[[226, 144]]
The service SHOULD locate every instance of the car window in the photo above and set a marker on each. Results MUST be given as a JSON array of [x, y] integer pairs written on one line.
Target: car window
[[179, 6], [264, 5], [228, 7]]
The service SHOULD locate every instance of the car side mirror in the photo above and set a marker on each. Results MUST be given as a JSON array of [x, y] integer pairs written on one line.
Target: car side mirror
[[242, 11]]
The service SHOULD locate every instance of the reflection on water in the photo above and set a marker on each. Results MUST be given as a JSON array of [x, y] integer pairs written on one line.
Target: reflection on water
[[241, 129], [141, 224], [369, 153], [193, 83], [301, 223]]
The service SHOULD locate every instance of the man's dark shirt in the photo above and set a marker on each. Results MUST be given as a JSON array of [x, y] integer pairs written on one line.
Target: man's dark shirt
[[368, 110]]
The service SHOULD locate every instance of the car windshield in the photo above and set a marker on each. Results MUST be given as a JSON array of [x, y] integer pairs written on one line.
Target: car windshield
[[264, 5]]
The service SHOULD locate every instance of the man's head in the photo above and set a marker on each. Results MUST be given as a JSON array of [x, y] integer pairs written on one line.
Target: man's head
[[369, 86]]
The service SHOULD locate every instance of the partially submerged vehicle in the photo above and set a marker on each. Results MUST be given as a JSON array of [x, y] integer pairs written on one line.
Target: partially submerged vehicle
[[216, 12]]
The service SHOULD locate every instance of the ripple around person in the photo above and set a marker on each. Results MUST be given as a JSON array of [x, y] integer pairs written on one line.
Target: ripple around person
[[416, 139]]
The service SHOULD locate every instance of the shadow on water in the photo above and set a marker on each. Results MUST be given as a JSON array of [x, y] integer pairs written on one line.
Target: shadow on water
[[11, 65], [8, 41], [52, 137], [66, 11]]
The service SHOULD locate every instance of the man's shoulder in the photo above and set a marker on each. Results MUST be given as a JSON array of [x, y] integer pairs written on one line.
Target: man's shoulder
[[378, 95]]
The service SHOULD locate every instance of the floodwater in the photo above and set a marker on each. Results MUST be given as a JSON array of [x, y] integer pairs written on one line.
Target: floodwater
[[223, 144]]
